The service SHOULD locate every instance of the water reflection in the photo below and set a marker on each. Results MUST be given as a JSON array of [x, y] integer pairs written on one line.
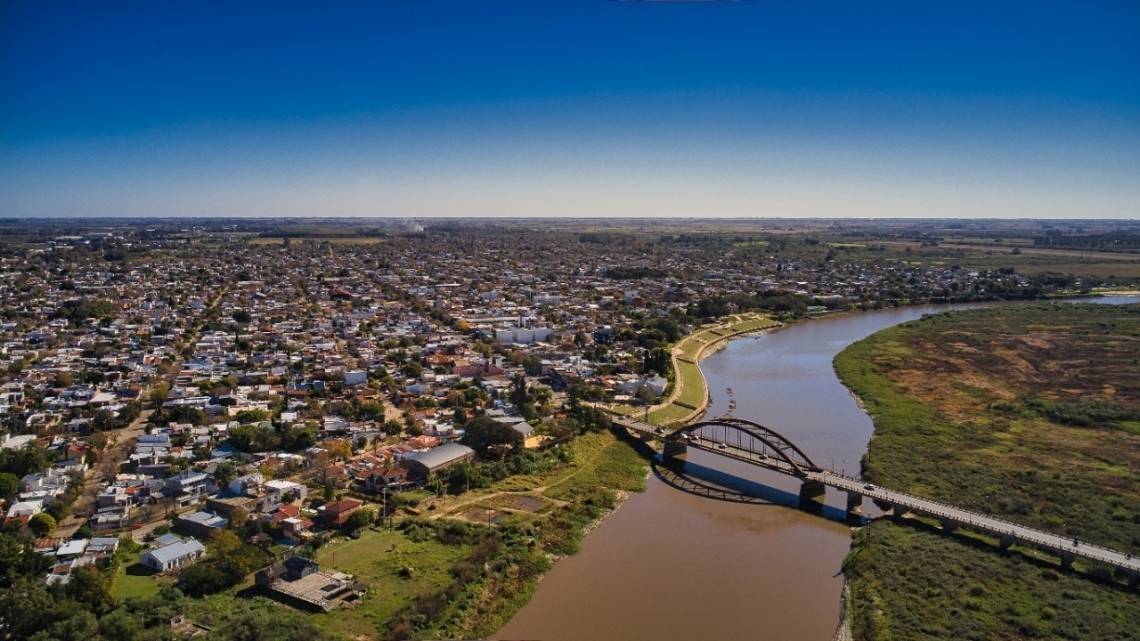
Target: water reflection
[[673, 564]]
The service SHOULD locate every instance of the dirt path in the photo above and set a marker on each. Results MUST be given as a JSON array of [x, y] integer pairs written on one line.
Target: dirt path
[[451, 510]]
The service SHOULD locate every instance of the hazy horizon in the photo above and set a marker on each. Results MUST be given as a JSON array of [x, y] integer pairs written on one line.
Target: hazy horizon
[[677, 110]]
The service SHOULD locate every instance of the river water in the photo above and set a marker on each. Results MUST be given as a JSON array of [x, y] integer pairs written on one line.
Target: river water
[[674, 565]]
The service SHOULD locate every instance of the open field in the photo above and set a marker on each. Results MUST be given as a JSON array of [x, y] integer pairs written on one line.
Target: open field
[[1026, 412], [396, 570]]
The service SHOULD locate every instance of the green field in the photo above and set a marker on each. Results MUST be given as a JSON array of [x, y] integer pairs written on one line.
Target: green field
[[605, 462], [379, 559], [1027, 412], [136, 581]]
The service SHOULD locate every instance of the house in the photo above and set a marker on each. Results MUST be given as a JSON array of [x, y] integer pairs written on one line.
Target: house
[[191, 484], [22, 511], [72, 549], [278, 491], [422, 465], [301, 582], [335, 513], [173, 556], [200, 523], [376, 479], [516, 423], [225, 506], [247, 485], [103, 545]]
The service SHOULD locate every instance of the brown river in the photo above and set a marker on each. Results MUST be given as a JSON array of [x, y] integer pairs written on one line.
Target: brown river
[[674, 565]]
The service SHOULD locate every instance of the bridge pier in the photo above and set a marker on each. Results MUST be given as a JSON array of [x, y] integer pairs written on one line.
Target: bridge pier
[[674, 449], [854, 505], [1066, 560], [811, 494], [1006, 540], [949, 526], [897, 511]]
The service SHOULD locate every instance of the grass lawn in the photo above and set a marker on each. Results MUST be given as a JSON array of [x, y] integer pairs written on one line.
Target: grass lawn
[[136, 581], [378, 558], [693, 390], [669, 414]]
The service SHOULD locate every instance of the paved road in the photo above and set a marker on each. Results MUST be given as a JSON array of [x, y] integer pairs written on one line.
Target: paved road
[[988, 524]]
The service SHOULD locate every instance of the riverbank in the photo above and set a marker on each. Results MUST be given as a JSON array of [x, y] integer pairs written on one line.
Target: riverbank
[[1029, 412], [689, 397], [546, 515]]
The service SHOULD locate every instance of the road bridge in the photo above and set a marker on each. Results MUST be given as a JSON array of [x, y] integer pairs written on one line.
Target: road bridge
[[752, 443]]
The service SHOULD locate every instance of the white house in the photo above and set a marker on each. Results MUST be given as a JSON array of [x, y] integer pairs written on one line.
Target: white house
[[173, 556]]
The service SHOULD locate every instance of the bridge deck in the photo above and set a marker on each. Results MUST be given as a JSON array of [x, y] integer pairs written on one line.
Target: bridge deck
[[981, 522], [906, 502]]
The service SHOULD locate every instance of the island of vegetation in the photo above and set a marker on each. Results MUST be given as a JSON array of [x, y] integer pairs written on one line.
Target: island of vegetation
[[1029, 412]]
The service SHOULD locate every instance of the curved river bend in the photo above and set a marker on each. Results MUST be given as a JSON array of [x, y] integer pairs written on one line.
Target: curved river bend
[[671, 565]]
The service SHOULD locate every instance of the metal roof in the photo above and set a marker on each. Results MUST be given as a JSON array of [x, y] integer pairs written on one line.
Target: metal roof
[[442, 455], [177, 550]]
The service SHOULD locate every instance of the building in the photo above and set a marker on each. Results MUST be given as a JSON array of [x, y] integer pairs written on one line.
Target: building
[[301, 582], [422, 465], [335, 513], [200, 524], [173, 556]]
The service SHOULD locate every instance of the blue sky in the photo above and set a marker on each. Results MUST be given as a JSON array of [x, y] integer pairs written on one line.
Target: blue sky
[[590, 108]]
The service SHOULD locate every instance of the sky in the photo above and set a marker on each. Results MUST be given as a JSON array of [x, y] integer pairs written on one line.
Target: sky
[[584, 108]]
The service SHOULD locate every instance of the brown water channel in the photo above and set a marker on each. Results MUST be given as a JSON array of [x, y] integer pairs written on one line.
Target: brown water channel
[[674, 565]]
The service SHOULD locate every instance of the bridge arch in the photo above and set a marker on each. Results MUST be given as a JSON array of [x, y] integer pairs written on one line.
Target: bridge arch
[[770, 439]]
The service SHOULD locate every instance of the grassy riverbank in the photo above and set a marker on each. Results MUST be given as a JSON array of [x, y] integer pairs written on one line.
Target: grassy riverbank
[[537, 519], [1028, 412], [690, 394], [464, 564]]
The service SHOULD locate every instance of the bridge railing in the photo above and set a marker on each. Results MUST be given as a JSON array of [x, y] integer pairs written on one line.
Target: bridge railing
[[1001, 526], [962, 516]]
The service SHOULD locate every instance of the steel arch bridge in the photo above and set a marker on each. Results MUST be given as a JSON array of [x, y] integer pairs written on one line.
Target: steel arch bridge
[[745, 440], [752, 443]]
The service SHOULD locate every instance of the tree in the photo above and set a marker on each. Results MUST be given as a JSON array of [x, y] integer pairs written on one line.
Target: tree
[[223, 543], [238, 517], [121, 626], [91, 587], [42, 524], [359, 519], [225, 472], [158, 394], [484, 435], [9, 485], [30, 459]]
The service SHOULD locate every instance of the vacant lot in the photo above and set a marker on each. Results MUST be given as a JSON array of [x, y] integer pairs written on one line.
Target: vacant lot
[[396, 570], [1029, 412]]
